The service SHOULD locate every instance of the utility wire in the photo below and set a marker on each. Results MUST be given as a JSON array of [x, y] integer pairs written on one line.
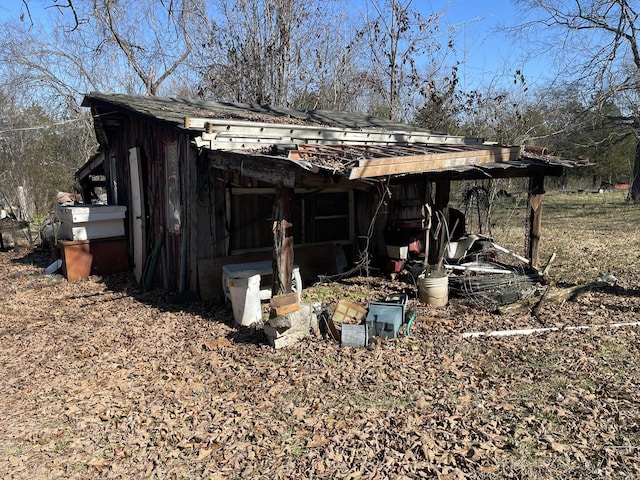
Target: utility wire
[[40, 127]]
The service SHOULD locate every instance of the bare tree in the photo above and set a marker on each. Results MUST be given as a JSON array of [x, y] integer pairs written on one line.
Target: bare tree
[[154, 36], [130, 46], [123, 45], [38, 152], [404, 52], [600, 51], [336, 78], [266, 51]]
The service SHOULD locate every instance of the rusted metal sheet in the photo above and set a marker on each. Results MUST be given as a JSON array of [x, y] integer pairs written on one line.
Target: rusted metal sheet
[[82, 258]]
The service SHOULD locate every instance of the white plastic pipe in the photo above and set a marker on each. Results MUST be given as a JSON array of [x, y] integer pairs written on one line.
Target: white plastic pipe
[[530, 331], [509, 252]]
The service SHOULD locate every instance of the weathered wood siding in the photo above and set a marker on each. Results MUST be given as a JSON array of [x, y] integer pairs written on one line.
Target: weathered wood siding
[[151, 138]]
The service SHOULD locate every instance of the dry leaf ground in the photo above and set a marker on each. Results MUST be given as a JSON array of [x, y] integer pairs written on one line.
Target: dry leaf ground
[[100, 381]]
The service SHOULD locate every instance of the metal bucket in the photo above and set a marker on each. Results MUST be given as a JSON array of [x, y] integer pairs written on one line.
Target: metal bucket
[[354, 336]]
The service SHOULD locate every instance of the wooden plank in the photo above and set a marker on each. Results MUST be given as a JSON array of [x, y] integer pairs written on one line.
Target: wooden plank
[[421, 163], [415, 167], [283, 310], [274, 172], [454, 155], [284, 299], [209, 280], [192, 207]]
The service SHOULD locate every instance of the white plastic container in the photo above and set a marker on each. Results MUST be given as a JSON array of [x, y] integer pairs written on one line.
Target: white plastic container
[[434, 290], [88, 222], [245, 299], [397, 252], [265, 267]]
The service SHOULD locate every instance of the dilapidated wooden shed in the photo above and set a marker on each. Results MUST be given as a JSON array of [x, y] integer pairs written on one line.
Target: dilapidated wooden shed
[[208, 184]]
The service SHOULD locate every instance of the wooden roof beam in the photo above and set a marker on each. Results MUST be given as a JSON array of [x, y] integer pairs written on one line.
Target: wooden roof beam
[[379, 167]]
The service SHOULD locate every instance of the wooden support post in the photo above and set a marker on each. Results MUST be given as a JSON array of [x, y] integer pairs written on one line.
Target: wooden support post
[[441, 204], [428, 219], [282, 241], [534, 218]]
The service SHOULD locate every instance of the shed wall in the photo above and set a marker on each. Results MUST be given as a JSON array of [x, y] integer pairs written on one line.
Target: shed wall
[[153, 140]]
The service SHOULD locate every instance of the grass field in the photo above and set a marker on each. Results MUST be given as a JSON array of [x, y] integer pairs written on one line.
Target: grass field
[[591, 234]]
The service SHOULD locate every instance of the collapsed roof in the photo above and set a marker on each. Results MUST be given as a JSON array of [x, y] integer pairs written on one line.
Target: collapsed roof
[[357, 147]]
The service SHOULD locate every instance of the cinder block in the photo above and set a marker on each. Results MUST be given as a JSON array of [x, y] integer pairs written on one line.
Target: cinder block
[[287, 330]]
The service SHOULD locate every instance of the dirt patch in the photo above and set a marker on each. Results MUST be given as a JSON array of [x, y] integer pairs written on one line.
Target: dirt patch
[[101, 381]]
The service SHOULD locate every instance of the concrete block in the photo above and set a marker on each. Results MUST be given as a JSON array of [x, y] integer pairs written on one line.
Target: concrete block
[[300, 319], [286, 330]]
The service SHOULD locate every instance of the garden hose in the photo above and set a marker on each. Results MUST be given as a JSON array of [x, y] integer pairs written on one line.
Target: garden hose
[[411, 319]]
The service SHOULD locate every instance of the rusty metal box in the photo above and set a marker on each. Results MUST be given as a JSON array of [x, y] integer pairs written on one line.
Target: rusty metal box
[[82, 258]]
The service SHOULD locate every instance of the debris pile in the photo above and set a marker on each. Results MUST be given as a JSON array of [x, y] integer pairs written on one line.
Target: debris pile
[[355, 326], [289, 328], [487, 275]]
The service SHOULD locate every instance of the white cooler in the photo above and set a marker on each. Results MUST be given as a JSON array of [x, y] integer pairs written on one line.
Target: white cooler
[[89, 222]]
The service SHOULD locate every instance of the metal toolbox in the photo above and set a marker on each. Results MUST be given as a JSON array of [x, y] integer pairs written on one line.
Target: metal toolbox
[[385, 318]]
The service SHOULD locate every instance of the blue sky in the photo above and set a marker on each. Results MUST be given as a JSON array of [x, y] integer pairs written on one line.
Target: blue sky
[[11, 9], [487, 51], [488, 55]]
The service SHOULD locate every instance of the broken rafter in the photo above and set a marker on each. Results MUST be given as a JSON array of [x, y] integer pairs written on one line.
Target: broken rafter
[[378, 167], [333, 152]]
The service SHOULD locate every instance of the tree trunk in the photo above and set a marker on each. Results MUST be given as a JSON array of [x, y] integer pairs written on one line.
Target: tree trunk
[[534, 218], [282, 241], [634, 192]]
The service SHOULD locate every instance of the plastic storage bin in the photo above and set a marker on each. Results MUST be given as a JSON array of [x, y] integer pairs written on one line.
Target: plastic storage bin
[[385, 318], [245, 299], [89, 222]]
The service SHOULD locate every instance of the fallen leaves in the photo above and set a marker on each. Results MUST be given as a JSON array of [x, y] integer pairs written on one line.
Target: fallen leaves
[[101, 384], [317, 441], [220, 342]]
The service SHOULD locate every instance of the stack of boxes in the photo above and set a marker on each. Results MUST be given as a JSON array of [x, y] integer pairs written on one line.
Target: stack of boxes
[[91, 240]]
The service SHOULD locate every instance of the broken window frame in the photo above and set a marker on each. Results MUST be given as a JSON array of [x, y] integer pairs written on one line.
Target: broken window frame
[[302, 229]]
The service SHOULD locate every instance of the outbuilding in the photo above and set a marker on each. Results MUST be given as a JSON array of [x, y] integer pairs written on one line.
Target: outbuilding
[[210, 184]]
